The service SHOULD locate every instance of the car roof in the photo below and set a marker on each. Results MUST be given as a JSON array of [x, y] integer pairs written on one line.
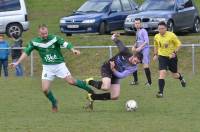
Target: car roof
[[101, 0]]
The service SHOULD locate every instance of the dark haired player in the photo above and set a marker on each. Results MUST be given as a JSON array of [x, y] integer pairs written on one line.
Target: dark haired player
[[166, 46], [142, 46], [120, 66]]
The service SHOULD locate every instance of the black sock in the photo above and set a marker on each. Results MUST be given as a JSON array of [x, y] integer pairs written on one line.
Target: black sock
[[161, 83], [180, 77], [135, 76], [148, 74], [103, 96], [96, 84]]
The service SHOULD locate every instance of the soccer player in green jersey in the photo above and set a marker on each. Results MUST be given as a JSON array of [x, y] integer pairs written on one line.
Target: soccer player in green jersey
[[49, 49]]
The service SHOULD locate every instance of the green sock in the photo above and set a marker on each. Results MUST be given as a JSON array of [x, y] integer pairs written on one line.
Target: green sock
[[81, 84], [51, 98]]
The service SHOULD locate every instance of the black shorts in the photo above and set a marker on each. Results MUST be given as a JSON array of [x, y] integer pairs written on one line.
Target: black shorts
[[165, 63], [107, 72]]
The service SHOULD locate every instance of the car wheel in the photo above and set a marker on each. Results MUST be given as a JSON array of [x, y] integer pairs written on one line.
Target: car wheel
[[14, 28], [68, 34], [103, 29], [170, 26], [196, 26]]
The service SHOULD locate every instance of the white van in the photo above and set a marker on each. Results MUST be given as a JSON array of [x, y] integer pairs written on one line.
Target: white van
[[13, 17]]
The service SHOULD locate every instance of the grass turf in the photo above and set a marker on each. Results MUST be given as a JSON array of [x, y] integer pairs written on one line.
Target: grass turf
[[24, 108]]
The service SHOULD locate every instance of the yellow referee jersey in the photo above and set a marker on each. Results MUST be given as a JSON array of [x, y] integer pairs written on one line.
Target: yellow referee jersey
[[166, 44]]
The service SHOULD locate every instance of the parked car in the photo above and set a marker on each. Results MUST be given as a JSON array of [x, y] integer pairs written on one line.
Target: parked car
[[13, 17], [178, 14], [101, 16]]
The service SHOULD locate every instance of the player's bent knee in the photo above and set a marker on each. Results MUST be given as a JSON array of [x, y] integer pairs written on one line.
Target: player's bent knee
[[145, 66], [106, 88]]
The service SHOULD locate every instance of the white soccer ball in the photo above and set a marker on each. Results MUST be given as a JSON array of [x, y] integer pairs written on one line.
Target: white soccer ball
[[131, 105]]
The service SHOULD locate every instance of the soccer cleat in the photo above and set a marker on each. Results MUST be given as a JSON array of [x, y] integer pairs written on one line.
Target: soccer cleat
[[183, 83], [134, 83], [159, 95], [89, 105], [147, 84], [55, 107], [88, 80]]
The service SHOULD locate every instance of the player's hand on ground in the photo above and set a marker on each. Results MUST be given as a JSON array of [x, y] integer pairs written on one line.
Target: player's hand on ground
[[76, 52], [155, 57], [13, 65], [112, 64]]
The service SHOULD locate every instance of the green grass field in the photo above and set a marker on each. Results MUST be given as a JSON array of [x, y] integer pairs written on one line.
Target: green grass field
[[24, 108]]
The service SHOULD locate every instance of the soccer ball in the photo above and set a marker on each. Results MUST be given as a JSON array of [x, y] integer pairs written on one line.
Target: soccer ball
[[131, 105]]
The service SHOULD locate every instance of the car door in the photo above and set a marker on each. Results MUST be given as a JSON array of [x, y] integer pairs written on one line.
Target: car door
[[184, 15], [127, 9], [189, 12], [114, 19], [1, 16]]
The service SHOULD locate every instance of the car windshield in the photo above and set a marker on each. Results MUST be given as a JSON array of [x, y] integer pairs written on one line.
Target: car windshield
[[93, 6], [158, 5]]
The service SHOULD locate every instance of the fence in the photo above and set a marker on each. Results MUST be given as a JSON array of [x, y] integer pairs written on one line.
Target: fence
[[110, 51]]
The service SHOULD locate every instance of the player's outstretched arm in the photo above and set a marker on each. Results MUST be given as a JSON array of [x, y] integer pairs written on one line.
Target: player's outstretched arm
[[22, 57], [76, 52], [118, 43]]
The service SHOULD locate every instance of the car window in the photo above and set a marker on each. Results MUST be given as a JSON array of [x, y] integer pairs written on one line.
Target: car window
[[93, 6], [185, 3], [188, 3], [126, 5], [158, 5], [9, 5], [116, 6], [132, 1]]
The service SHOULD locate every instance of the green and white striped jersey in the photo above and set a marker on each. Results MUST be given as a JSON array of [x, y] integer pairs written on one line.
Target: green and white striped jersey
[[49, 49]]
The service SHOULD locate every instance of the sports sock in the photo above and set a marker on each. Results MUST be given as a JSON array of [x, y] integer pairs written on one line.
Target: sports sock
[[103, 96], [51, 98], [161, 83], [96, 84], [180, 77], [81, 84], [135, 76], [148, 75]]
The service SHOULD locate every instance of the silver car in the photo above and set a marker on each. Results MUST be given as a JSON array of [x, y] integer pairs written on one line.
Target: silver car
[[178, 14], [13, 17]]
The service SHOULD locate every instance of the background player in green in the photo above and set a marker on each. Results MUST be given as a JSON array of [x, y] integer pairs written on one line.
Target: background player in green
[[49, 49]]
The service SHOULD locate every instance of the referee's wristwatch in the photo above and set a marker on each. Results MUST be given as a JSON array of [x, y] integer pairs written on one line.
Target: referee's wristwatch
[[175, 52]]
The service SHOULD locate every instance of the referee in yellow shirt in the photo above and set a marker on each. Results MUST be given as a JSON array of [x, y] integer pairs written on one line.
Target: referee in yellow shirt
[[166, 46]]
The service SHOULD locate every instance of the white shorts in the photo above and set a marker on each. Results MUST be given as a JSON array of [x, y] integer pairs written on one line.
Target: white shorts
[[49, 72]]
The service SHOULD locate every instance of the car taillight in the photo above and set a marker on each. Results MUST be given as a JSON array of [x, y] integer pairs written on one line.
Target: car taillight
[[26, 17]]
